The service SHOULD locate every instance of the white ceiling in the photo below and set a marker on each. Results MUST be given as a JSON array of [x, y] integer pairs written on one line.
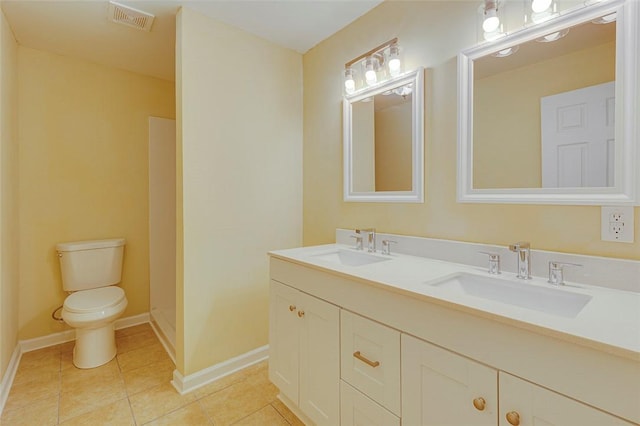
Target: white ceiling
[[80, 28]]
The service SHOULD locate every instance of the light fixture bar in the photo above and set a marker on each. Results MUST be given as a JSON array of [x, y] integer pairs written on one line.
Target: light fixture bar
[[372, 52]]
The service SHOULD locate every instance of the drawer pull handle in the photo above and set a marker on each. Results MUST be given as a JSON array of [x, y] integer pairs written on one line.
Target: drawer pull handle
[[479, 403], [300, 314], [513, 418], [373, 364], [292, 308]]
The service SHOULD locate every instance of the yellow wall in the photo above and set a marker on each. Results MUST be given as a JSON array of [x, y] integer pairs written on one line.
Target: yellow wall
[[394, 137], [9, 218], [432, 34], [507, 130], [83, 173], [239, 192]]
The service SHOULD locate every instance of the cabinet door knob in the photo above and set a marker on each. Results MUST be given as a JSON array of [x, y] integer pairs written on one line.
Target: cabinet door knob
[[513, 418], [479, 403], [292, 308], [359, 356], [300, 314]]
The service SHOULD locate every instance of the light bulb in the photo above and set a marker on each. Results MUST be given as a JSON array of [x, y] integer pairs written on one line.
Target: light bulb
[[394, 60], [349, 86], [491, 21], [539, 6], [349, 82], [370, 75]]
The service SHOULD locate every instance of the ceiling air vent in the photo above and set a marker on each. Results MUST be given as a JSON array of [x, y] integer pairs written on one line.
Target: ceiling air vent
[[125, 15]]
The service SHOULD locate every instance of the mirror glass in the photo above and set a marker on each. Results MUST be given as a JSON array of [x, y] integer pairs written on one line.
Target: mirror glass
[[383, 141], [545, 117]]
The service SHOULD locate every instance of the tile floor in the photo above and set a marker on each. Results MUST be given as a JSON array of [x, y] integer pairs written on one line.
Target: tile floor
[[134, 389]]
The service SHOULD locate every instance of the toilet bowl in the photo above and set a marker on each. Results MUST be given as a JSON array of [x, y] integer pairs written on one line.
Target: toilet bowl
[[93, 313], [90, 270]]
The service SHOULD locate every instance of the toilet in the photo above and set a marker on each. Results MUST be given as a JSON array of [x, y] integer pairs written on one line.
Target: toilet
[[90, 272]]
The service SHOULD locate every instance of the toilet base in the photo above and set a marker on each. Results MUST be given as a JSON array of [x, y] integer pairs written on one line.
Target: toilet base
[[94, 346]]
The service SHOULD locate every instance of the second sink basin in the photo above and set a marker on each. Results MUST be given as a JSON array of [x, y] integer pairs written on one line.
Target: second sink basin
[[549, 300], [349, 257]]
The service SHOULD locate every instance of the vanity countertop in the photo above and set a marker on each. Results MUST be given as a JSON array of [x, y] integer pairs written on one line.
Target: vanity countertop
[[610, 321]]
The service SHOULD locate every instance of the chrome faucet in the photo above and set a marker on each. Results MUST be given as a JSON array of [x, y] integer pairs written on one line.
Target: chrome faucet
[[371, 238], [556, 271], [523, 250]]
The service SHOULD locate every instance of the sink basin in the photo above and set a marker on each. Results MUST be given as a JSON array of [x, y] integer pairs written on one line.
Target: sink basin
[[348, 257], [549, 300]]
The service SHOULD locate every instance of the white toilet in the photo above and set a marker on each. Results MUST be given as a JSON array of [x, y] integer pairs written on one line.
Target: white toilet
[[90, 271]]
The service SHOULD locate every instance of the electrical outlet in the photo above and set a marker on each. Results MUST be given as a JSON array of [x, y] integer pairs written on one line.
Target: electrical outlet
[[617, 224]]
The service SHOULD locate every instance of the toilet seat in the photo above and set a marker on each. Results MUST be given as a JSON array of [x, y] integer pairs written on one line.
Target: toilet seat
[[93, 300]]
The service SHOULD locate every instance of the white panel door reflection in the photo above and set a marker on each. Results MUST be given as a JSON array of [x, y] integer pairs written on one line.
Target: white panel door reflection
[[578, 137]]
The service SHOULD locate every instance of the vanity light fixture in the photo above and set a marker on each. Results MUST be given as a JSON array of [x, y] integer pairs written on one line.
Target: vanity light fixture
[[377, 65]]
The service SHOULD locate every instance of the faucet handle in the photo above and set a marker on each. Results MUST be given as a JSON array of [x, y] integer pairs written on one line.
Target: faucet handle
[[386, 246], [556, 271], [494, 262], [358, 238]]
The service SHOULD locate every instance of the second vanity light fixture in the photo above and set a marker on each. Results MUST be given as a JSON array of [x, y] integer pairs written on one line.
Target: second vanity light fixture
[[377, 65]]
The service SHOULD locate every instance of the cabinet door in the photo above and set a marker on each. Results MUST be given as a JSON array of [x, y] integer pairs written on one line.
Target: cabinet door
[[283, 339], [370, 359], [319, 360], [358, 410], [523, 403], [441, 388]]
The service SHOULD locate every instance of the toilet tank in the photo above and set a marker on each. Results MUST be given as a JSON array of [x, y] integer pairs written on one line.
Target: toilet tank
[[90, 264]]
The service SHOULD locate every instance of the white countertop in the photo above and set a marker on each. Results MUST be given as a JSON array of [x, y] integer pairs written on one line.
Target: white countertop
[[609, 322]]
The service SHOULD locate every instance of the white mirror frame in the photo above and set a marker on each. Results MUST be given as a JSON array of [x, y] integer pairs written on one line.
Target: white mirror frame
[[627, 173], [416, 195]]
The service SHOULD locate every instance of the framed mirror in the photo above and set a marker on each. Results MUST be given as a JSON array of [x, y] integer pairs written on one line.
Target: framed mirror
[[548, 114], [384, 141]]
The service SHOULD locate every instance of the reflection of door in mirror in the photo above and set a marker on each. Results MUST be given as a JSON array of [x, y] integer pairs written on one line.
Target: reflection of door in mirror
[[382, 144], [578, 136], [507, 92]]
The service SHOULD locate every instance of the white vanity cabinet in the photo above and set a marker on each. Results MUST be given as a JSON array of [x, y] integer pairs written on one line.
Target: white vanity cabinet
[[523, 403], [304, 360], [442, 388], [345, 351]]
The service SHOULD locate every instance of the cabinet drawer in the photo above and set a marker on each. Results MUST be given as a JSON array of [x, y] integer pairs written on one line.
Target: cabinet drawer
[[370, 359], [357, 409]]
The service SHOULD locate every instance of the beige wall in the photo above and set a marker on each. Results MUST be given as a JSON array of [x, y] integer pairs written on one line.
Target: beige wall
[[8, 195], [239, 193], [83, 173], [432, 34], [363, 147], [507, 129], [394, 137]]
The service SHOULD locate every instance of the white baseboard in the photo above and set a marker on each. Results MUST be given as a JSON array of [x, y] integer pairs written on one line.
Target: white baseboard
[[164, 340], [69, 335], [9, 375], [203, 377]]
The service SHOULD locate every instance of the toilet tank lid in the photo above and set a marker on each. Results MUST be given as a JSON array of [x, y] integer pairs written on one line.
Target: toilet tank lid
[[90, 244]]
